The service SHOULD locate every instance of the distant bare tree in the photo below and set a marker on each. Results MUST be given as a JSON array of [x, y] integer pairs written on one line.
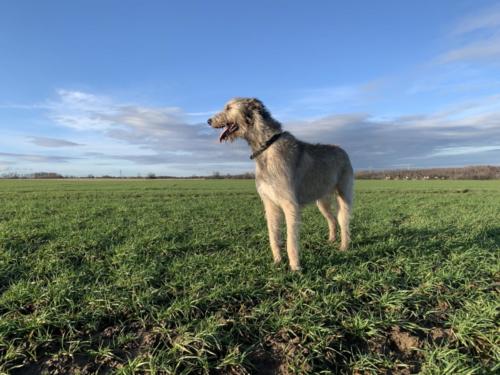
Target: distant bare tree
[[46, 175]]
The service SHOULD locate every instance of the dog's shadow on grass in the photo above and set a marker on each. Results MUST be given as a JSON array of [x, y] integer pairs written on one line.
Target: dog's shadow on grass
[[399, 243]]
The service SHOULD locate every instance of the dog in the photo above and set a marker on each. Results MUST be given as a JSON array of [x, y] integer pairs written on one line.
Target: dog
[[289, 174]]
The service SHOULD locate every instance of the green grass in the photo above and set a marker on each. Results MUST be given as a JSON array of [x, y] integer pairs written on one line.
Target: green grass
[[177, 277]]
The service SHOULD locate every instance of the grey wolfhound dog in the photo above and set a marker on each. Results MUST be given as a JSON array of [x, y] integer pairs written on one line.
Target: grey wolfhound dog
[[289, 173]]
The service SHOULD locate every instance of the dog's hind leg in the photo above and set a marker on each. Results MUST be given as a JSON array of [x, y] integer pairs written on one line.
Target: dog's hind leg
[[274, 217], [292, 218], [344, 201], [325, 207]]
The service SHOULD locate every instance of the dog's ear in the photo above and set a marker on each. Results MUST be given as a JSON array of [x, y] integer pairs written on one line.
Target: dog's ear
[[255, 105]]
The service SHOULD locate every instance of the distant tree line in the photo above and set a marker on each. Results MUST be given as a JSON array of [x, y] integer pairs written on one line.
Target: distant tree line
[[53, 175], [480, 172], [14, 175]]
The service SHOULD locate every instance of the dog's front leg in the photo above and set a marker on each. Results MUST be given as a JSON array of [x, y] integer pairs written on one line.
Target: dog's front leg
[[273, 217], [292, 218]]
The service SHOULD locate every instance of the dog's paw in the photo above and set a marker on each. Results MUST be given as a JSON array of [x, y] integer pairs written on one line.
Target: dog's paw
[[295, 268]]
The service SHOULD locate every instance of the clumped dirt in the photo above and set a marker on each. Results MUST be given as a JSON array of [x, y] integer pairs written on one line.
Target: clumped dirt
[[268, 362], [404, 341], [277, 353], [439, 335], [110, 331], [401, 346], [82, 364], [61, 365]]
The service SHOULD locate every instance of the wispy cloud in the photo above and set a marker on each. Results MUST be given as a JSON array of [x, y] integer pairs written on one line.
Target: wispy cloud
[[204, 114], [484, 19], [476, 38], [477, 50], [37, 158], [52, 142], [318, 98], [329, 98], [319, 102], [23, 106]]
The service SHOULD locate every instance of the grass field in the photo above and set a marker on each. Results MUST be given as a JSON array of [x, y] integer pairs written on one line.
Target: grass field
[[166, 276]]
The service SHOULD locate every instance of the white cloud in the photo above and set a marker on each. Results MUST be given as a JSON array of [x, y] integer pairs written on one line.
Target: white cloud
[[485, 19], [427, 140], [37, 157], [463, 150], [162, 132], [477, 50], [80, 111]]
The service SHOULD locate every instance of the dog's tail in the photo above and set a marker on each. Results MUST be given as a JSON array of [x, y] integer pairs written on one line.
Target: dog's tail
[[345, 195]]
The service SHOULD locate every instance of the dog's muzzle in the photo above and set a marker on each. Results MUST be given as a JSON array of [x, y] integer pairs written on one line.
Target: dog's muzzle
[[228, 130]]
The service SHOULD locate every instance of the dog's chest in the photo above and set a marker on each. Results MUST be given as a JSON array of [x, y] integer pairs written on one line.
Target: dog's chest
[[268, 191], [272, 187], [272, 178]]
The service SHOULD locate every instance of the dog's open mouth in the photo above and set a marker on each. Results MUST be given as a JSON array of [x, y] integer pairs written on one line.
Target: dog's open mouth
[[228, 130]]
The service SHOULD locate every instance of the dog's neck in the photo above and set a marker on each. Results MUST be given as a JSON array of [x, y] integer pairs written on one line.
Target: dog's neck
[[265, 131]]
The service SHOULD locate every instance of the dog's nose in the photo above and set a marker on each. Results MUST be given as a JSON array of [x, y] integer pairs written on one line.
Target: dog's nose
[[209, 121]]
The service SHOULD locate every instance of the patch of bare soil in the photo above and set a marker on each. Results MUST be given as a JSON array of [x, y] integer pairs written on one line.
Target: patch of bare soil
[[276, 355]]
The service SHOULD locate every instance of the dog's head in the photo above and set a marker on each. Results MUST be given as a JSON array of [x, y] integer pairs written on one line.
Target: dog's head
[[239, 118]]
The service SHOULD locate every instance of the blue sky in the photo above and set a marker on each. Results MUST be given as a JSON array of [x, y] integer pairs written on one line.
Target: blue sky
[[99, 87]]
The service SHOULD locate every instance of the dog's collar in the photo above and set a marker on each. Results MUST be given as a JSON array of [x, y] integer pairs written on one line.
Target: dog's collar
[[266, 145]]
